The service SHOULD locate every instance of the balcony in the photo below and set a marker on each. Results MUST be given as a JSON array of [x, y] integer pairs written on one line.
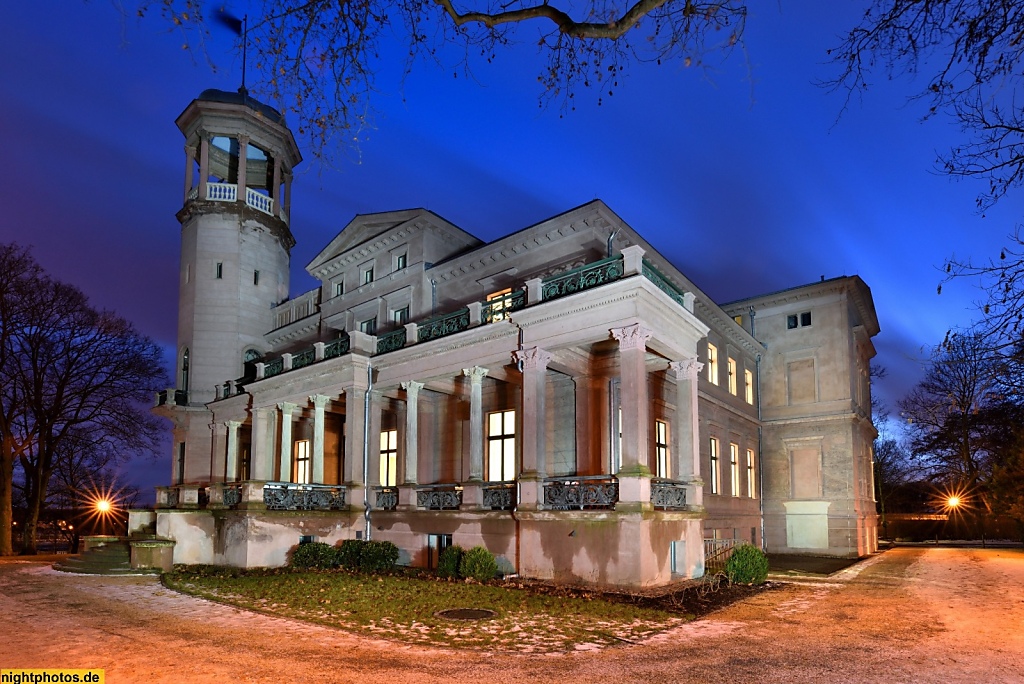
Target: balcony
[[228, 192], [590, 492], [288, 496], [439, 497]]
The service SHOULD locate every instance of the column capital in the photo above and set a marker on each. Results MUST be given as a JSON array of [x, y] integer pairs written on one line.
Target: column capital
[[689, 368], [232, 424], [286, 408], [533, 358], [319, 400], [412, 388], [632, 336], [475, 374]]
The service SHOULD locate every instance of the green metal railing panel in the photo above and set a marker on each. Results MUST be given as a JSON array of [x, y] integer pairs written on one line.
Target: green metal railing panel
[[583, 278], [442, 326], [661, 282], [391, 341]]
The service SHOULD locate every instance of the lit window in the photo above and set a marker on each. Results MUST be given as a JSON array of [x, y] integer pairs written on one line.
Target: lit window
[[339, 288], [734, 469], [750, 474], [303, 471], [738, 319], [501, 446], [401, 316], [497, 305], [369, 326], [731, 363], [748, 386], [715, 473], [255, 277], [661, 448], [401, 261], [368, 275], [219, 270], [389, 458], [712, 364]]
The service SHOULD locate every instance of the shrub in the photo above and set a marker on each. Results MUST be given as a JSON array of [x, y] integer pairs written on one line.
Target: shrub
[[314, 555], [449, 561], [480, 564], [378, 556], [349, 552], [747, 565]]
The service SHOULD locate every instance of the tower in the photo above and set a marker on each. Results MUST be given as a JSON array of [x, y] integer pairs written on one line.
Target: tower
[[235, 246]]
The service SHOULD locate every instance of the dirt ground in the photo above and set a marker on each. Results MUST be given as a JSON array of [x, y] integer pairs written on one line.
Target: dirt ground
[[909, 615]]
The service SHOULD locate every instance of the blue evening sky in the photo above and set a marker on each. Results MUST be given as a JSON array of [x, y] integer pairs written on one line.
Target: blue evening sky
[[741, 174]]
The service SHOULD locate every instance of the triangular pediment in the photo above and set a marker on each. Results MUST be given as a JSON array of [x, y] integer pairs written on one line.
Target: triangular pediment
[[365, 228]]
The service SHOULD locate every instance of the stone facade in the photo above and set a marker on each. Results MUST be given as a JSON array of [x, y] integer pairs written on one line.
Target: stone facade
[[563, 396]]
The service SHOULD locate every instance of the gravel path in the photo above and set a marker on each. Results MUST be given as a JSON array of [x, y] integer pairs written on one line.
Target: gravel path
[[910, 615]]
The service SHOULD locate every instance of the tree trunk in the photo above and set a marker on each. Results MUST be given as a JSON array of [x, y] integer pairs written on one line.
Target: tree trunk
[[6, 502], [29, 534]]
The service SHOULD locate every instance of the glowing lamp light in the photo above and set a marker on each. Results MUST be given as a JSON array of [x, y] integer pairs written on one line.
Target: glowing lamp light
[[953, 501], [104, 506]]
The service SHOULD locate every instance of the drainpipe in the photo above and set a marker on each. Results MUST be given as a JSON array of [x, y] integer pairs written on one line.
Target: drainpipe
[[760, 435], [366, 453], [611, 237]]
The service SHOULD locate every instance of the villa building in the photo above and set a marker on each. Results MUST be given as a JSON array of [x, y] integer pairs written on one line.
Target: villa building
[[563, 395]]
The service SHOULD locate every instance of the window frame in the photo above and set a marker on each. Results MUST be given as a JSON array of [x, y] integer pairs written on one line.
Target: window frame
[[712, 354], [302, 459], [388, 458], [504, 459], [732, 369], [748, 386], [734, 468], [751, 488], [715, 474], [661, 449]]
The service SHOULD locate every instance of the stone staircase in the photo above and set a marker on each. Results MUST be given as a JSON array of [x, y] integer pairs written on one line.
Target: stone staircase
[[112, 558]]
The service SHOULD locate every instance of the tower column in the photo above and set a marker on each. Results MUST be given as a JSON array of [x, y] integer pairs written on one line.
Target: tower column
[[204, 164], [190, 156], [243, 160]]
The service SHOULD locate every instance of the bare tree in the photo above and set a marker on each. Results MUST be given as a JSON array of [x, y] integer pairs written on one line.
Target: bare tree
[[317, 58], [969, 56], [947, 413], [68, 373]]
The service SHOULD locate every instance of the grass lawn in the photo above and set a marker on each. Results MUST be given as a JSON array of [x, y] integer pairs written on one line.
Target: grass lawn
[[403, 608]]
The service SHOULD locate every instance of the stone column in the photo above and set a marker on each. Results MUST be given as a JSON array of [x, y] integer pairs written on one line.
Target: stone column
[[319, 402], [584, 455], [275, 191], [373, 477], [190, 155], [634, 470], [243, 159], [476, 376], [231, 468], [534, 363], [261, 464], [354, 476], [286, 439], [411, 445], [686, 428], [218, 451], [204, 164]]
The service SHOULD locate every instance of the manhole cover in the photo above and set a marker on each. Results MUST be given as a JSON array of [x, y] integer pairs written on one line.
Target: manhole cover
[[466, 613]]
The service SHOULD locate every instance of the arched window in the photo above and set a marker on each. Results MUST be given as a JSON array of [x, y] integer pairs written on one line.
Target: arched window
[[184, 370], [249, 359]]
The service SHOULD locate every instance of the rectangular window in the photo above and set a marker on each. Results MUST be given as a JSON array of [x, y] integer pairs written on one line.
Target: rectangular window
[[731, 366], [798, 320], [369, 326], [303, 462], [401, 261], [255, 277], [368, 276], [497, 303], [219, 271], [748, 386], [339, 288], [738, 319], [181, 463], [401, 316], [389, 458], [712, 364], [751, 490], [734, 469], [661, 448], [715, 471], [501, 446]]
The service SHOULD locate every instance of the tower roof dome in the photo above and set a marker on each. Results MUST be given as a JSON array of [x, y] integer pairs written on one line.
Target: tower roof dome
[[241, 97]]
